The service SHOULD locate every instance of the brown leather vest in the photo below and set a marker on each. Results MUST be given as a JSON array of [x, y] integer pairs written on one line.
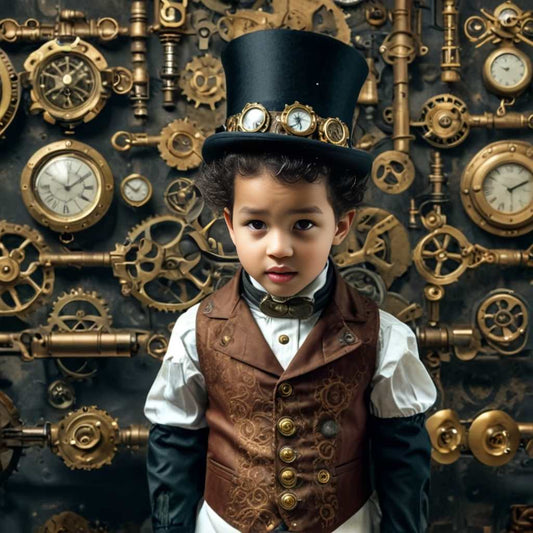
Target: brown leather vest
[[287, 445]]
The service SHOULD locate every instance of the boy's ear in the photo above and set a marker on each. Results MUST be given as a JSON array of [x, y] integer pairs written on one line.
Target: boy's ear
[[229, 223], [343, 226]]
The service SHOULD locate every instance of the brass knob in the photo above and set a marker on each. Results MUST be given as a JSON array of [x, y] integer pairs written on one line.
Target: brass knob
[[287, 477], [285, 389], [288, 501], [283, 339], [323, 476], [286, 426], [287, 455]]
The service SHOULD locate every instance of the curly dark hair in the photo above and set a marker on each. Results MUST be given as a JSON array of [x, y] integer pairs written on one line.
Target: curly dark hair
[[216, 179]]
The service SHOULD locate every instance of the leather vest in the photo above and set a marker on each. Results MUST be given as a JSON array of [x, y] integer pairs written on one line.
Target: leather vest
[[287, 445]]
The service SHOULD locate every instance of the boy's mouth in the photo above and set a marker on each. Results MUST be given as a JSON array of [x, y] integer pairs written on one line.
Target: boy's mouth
[[280, 275]]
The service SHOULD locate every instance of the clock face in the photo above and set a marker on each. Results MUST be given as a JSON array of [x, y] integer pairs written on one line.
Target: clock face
[[66, 81], [299, 120], [507, 14], [508, 69], [67, 186], [253, 119], [508, 188], [136, 190]]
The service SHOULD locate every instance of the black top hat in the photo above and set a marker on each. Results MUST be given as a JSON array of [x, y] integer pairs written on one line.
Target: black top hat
[[294, 92]]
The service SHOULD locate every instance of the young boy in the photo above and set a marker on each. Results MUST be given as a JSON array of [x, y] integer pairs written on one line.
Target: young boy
[[286, 393]]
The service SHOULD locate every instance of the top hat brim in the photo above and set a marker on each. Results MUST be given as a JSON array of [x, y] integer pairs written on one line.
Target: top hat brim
[[350, 159]]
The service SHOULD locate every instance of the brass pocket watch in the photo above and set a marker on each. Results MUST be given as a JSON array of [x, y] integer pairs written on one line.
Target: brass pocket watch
[[507, 71], [67, 186], [71, 81], [497, 188]]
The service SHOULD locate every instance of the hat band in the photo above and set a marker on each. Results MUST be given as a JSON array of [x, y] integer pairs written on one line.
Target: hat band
[[296, 119]]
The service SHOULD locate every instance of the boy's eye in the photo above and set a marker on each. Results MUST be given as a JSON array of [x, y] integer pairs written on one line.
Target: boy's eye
[[304, 224], [256, 224]]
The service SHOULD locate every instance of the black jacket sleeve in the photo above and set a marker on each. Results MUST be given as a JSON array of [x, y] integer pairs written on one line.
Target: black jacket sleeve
[[175, 466], [401, 456]]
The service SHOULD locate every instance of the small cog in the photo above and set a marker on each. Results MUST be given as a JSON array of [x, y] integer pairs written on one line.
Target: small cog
[[181, 144]]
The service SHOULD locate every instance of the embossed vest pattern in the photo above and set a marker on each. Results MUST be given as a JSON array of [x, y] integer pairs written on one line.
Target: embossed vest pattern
[[290, 444]]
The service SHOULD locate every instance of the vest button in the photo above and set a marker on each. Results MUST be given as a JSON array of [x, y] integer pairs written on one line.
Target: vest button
[[348, 338], [286, 426], [283, 339], [225, 340], [323, 476], [287, 455], [287, 477], [288, 501], [285, 389], [329, 428]]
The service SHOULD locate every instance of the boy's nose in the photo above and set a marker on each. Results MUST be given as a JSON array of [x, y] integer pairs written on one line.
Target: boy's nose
[[279, 244]]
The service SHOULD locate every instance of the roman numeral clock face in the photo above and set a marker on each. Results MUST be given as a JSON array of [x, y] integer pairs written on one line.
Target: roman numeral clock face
[[67, 186]]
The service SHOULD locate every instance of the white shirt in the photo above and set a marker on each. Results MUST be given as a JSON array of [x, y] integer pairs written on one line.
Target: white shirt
[[400, 386]]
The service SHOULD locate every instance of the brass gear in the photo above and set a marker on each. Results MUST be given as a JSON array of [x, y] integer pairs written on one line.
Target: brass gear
[[202, 81], [86, 439], [184, 199], [66, 522], [80, 310], [24, 281], [160, 264], [181, 144], [9, 418], [393, 172]]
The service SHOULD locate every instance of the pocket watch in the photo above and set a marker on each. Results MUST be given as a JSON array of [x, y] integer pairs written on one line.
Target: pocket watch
[[9, 92], [299, 119], [497, 188], [507, 71], [136, 190], [71, 82], [67, 186]]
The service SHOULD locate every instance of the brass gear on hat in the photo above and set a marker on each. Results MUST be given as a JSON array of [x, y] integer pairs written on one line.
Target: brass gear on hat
[[80, 310], [202, 81], [181, 144], [86, 439], [24, 281], [160, 264]]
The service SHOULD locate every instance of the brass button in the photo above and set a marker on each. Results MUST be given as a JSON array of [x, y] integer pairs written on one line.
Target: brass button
[[225, 340], [287, 477], [285, 389], [286, 426], [347, 337], [283, 339], [288, 501], [323, 476], [329, 428], [287, 455]]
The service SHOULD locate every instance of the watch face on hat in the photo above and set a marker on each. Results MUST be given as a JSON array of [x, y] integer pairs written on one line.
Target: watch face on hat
[[334, 131], [254, 117], [299, 119]]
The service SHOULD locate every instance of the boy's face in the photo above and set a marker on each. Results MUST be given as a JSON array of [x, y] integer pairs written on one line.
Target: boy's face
[[283, 232]]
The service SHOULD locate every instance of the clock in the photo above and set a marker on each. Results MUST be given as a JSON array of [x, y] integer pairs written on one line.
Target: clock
[[136, 190], [497, 188], [507, 71], [67, 186], [254, 117], [334, 131], [299, 119]]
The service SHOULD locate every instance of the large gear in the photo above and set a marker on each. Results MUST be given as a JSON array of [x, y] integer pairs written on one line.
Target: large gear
[[161, 264], [67, 522], [24, 281], [86, 439], [80, 310], [181, 144], [202, 81], [9, 418]]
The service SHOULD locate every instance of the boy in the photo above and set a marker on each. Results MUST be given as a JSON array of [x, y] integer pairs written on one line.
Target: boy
[[300, 380]]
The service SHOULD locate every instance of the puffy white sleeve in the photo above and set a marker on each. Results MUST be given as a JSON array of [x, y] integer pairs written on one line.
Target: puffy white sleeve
[[178, 396], [401, 385]]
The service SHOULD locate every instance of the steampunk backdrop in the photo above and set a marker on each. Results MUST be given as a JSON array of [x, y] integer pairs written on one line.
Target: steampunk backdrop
[[474, 341]]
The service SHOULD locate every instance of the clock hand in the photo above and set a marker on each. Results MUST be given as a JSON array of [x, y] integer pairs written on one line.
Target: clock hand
[[516, 186]]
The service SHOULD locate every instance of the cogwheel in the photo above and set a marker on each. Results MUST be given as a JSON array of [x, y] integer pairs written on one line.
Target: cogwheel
[[86, 439], [162, 264], [80, 310], [9, 418], [202, 81], [206, 120], [181, 144], [67, 521], [25, 281]]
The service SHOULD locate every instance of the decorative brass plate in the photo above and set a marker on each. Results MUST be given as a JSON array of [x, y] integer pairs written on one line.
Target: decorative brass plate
[[9, 92]]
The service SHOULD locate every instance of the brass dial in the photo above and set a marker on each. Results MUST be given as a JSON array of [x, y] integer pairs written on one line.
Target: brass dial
[[507, 71], [136, 190], [299, 119], [67, 186], [497, 188]]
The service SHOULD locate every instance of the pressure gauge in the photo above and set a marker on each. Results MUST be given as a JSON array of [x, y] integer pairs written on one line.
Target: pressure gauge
[[136, 190], [497, 188], [67, 186], [507, 71], [299, 119]]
